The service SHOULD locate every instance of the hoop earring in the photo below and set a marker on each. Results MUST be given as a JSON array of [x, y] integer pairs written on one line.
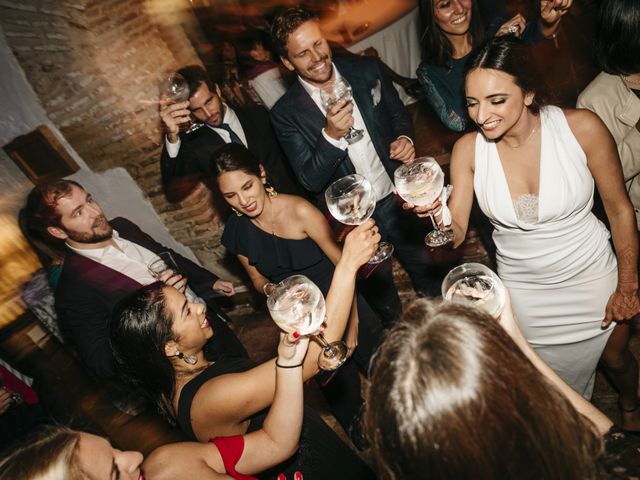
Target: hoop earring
[[238, 214], [270, 190], [188, 359]]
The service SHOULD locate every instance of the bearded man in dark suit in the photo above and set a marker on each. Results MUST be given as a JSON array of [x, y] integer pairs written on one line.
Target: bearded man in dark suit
[[186, 157], [107, 261], [314, 138]]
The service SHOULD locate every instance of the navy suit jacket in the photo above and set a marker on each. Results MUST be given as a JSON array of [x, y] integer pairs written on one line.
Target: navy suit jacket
[[193, 163], [88, 292], [298, 123]]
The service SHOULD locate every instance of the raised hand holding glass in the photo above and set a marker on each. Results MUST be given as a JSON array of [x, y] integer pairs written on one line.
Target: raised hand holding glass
[[351, 201], [334, 93], [420, 183], [173, 89], [297, 304]]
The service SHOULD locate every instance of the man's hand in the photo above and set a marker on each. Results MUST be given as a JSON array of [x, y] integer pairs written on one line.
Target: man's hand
[[173, 279], [173, 115], [339, 119], [402, 150], [551, 11], [224, 287]]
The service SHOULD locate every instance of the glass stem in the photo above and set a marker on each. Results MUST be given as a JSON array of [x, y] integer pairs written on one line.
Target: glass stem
[[322, 341], [433, 221], [328, 349]]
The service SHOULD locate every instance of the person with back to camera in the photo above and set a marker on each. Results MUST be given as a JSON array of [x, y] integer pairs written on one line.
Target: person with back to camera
[[452, 29], [158, 337], [456, 393], [533, 171], [614, 95], [61, 453]]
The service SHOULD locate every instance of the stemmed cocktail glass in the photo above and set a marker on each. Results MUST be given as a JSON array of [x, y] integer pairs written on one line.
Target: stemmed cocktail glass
[[334, 93], [477, 285], [351, 201], [420, 183], [297, 304], [173, 89]]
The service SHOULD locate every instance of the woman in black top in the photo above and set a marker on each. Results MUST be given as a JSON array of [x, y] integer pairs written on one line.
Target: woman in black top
[[159, 346]]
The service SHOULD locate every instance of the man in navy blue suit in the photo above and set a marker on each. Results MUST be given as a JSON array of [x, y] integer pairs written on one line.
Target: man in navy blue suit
[[106, 262], [314, 139]]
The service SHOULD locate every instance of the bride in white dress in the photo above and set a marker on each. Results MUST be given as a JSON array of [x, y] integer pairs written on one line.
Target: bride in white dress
[[533, 170]]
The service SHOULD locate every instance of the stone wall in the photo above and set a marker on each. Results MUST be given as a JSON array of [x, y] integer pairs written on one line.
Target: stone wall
[[94, 66]]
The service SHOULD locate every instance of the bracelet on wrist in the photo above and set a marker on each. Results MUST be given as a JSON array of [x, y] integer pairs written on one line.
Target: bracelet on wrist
[[288, 366]]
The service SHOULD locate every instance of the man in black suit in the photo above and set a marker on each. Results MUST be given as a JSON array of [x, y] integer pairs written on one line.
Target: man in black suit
[[314, 139], [107, 261], [186, 157]]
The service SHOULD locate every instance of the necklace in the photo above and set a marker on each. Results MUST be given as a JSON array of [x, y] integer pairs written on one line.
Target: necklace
[[632, 81], [533, 130]]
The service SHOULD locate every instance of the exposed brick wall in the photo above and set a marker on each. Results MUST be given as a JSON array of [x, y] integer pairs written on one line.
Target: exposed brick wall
[[92, 63]]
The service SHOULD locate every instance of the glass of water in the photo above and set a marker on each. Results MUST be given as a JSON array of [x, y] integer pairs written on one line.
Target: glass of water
[[174, 88], [477, 285], [351, 201], [420, 183], [297, 304], [332, 94]]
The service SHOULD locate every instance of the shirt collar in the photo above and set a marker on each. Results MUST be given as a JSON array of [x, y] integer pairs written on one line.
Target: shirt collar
[[230, 116]]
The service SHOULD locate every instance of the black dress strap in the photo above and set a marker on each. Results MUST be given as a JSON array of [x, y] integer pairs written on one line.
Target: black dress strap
[[221, 367]]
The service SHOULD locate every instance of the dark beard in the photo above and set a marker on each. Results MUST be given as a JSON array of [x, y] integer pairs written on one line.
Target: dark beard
[[93, 237]]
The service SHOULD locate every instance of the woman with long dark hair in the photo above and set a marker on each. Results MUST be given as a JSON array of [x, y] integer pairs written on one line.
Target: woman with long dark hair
[[533, 170], [456, 394], [275, 236], [58, 452], [452, 28], [158, 339]]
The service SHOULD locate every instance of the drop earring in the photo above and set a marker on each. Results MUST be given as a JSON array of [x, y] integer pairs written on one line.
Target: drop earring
[[189, 359], [238, 214], [270, 190]]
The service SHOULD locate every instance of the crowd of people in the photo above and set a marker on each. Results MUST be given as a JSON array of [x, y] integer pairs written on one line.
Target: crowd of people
[[451, 392]]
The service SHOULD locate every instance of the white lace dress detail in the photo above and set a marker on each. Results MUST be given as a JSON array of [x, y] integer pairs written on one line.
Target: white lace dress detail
[[526, 207]]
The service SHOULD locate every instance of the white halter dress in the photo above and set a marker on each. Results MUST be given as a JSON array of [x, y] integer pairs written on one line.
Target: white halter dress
[[558, 264]]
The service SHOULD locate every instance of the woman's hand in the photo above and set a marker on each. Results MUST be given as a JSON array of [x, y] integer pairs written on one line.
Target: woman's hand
[[360, 245], [292, 349], [507, 319], [623, 304], [514, 26], [423, 211]]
